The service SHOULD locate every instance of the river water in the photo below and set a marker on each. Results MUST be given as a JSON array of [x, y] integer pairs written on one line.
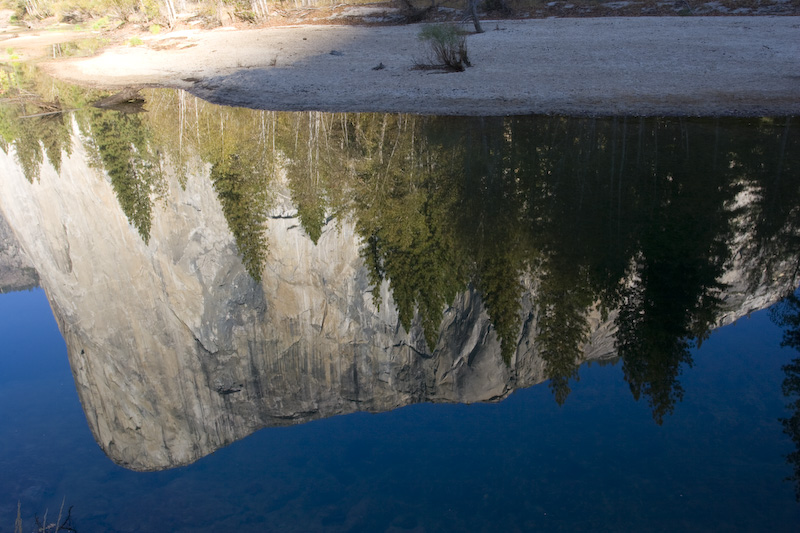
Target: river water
[[258, 321]]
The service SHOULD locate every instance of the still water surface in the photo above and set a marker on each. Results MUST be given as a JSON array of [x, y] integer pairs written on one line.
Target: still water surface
[[596, 463], [441, 324]]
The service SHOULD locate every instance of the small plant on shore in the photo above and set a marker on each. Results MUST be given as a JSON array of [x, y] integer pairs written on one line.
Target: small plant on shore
[[134, 41], [100, 24], [447, 45], [80, 48]]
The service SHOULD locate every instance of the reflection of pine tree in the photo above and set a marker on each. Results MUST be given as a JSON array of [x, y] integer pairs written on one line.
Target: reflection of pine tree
[[317, 166], [33, 137], [573, 212], [490, 222], [28, 149], [653, 348], [311, 211], [787, 315], [121, 140], [684, 236], [242, 192], [402, 214], [56, 135], [239, 145], [33, 123], [563, 329], [499, 284]]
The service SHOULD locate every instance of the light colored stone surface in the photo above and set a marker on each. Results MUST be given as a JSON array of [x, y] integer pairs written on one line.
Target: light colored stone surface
[[641, 66], [16, 270]]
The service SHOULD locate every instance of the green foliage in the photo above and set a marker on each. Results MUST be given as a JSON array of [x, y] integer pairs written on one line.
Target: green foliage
[[152, 10], [402, 209], [447, 45], [791, 425], [100, 23], [243, 10], [787, 315], [122, 142], [31, 117], [498, 283], [686, 236], [242, 167], [316, 167], [34, 132], [563, 328], [237, 145], [28, 150], [242, 195]]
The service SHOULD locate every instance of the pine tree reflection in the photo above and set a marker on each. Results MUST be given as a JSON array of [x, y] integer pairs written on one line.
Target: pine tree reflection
[[787, 315]]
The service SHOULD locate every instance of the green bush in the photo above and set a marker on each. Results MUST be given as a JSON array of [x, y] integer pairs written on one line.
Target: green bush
[[100, 23], [448, 46], [151, 9]]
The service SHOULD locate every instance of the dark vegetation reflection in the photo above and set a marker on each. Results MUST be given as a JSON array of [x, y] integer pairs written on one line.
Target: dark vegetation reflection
[[787, 315], [634, 217]]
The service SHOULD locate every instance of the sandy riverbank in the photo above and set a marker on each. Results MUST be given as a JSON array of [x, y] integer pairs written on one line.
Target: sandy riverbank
[[640, 65]]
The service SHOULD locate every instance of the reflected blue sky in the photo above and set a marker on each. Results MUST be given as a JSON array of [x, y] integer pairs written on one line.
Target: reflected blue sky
[[597, 463]]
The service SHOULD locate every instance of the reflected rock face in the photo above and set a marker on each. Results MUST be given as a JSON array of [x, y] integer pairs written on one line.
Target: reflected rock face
[[177, 351], [16, 271]]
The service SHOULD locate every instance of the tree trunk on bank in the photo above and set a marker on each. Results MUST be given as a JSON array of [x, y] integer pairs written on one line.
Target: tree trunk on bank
[[472, 6]]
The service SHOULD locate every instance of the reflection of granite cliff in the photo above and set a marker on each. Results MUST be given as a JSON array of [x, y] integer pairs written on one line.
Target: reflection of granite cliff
[[16, 271], [176, 352]]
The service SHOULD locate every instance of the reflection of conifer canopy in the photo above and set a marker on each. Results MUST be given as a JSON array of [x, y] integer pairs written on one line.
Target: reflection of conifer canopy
[[242, 194], [33, 118], [35, 136], [595, 215], [787, 315], [121, 140], [400, 205]]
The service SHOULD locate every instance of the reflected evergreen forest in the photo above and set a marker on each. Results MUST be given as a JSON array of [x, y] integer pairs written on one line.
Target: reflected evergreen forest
[[637, 219]]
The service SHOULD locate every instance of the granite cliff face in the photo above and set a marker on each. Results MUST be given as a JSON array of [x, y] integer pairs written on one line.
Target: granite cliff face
[[176, 351], [16, 271]]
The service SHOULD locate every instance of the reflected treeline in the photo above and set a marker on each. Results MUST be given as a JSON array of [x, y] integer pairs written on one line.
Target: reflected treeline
[[787, 315], [634, 218], [120, 144], [31, 119]]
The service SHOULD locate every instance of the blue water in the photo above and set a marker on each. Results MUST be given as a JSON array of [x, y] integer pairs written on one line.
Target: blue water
[[599, 463]]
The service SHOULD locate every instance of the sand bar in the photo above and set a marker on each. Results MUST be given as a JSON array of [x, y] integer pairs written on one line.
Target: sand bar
[[723, 66]]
